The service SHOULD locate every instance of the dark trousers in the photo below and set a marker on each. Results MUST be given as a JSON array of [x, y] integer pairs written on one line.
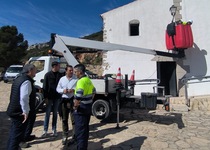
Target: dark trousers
[[82, 130], [67, 107], [16, 133], [30, 124]]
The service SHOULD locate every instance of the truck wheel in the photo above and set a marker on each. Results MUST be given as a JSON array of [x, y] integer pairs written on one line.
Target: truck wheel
[[39, 101], [101, 109]]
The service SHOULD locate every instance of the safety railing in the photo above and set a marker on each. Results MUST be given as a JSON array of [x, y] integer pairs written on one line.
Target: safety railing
[[156, 89], [193, 80], [147, 81]]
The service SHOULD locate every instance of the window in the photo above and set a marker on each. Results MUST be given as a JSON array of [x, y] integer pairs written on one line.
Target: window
[[134, 27], [39, 64], [63, 67], [14, 69]]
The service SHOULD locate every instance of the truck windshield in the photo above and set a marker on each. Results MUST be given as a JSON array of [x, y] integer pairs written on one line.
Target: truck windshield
[[39, 64]]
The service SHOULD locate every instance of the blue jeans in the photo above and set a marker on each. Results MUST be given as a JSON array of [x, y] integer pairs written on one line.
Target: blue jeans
[[52, 105]]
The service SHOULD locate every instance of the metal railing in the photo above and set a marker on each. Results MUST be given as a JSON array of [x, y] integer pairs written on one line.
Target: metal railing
[[193, 80], [147, 81], [157, 88]]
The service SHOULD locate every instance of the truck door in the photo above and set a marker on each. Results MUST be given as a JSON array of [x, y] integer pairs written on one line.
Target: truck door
[[166, 72]]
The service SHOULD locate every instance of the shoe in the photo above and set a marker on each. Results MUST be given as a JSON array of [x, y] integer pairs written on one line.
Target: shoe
[[55, 133], [24, 145], [30, 138], [64, 140], [71, 142], [44, 134]]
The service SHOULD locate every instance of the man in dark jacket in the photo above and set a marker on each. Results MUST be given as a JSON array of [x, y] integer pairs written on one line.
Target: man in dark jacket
[[21, 106], [51, 96]]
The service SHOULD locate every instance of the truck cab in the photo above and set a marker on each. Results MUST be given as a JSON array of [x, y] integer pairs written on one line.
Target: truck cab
[[43, 65]]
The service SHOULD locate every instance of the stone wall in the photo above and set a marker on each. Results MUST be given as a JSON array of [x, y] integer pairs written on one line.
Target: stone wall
[[201, 103]]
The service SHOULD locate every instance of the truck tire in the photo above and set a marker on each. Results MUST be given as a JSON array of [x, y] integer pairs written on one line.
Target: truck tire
[[101, 109], [39, 101]]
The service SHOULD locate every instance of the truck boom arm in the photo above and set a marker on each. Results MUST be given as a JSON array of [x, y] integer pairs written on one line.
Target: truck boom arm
[[60, 46], [61, 42]]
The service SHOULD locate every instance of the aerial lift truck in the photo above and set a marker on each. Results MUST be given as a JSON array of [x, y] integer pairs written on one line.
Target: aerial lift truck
[[105, 99]]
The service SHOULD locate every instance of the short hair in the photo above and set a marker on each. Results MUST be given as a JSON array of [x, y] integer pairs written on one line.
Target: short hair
[[68, 66], [55, 63], [27, 68], [80, 67]]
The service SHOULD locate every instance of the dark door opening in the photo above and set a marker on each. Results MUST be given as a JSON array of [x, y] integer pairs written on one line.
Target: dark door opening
[[166, 72]]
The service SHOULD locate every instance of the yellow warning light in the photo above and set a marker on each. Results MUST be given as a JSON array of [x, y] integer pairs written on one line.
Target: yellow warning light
[[50, 52]]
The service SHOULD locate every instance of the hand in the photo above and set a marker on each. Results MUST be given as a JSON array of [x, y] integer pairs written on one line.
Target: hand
[[76, 104], [71, 91], [65, 91], [25, 117]]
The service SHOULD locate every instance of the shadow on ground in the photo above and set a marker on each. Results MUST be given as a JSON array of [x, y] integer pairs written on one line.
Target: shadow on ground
[[134, 143], [138, 115]]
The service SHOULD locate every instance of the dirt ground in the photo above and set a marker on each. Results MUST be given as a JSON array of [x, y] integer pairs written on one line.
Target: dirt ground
[[5, 122]]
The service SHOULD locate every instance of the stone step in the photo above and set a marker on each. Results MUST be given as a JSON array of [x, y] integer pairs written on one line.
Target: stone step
[[177, 100], [179, 107], [174, 107]]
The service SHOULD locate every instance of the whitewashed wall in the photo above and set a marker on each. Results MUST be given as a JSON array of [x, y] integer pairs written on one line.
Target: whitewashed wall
[[154, 16], [198, 57]]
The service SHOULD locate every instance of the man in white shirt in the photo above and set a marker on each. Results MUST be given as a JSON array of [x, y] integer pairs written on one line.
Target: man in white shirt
[[66, 86]]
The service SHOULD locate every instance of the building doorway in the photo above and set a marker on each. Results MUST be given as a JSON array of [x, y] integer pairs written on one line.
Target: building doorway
[[166, 72]]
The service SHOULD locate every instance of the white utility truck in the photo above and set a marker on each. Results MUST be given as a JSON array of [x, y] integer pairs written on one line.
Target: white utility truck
[[105, 101]]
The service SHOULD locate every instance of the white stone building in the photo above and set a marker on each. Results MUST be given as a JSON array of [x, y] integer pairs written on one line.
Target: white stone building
[[152, 17]]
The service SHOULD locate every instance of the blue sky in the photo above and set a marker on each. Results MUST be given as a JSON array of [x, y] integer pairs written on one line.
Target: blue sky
[[37, 19]]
